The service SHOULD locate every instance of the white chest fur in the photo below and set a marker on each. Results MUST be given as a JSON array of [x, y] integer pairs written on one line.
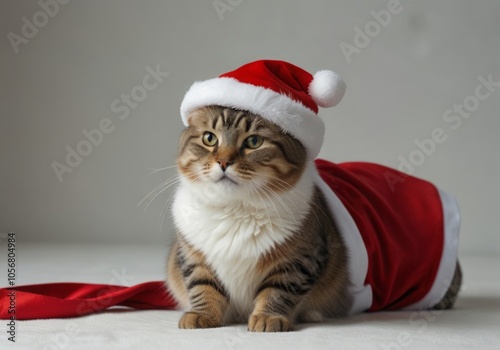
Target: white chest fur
[[234, 231]]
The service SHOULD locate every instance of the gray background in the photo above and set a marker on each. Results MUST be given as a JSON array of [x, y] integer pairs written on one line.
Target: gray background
[[65, 78]]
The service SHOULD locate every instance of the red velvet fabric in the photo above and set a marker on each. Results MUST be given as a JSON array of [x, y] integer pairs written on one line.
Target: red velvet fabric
[[281, 77], [400, 219], [57, 300]]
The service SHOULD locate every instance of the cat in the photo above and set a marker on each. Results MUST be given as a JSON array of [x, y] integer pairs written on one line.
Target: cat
[[256, 242]]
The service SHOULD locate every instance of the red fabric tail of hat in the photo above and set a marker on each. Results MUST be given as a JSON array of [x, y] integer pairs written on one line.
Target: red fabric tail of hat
[[58, 300]]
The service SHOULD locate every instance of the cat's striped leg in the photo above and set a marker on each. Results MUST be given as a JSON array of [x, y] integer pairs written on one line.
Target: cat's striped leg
[[207, 298], [271, 313], [277, 298]]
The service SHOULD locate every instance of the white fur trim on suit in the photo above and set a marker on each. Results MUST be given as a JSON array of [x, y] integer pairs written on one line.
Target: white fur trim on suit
[[362, 295], [293, 117]]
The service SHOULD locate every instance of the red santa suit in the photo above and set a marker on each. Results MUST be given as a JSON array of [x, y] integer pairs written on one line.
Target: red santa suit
[[401, 234]]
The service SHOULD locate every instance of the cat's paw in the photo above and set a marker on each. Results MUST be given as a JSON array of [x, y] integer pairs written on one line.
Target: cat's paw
[[194, 320], [269, 323]]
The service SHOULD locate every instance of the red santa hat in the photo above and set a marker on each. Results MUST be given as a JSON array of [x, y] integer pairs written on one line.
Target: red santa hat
[[278, 91]]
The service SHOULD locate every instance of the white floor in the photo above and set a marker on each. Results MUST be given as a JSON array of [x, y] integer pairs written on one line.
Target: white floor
[[473, 324]]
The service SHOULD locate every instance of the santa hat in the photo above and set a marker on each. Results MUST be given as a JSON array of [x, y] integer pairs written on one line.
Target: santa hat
[[278, 91]]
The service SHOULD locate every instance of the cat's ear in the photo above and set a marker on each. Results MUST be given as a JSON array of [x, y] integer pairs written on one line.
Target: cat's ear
[[198, 117]]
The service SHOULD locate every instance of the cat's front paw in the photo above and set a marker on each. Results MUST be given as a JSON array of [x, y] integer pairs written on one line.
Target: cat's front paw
[[194, 320], [269, 323]]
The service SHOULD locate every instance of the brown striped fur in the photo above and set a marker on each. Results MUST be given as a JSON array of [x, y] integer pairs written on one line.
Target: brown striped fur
[[280, 156]]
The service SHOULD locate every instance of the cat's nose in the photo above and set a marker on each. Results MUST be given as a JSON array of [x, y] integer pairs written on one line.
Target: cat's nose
[[224, 164]]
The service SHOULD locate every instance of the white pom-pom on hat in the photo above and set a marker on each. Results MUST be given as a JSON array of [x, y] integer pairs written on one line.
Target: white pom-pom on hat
[[327, 88]]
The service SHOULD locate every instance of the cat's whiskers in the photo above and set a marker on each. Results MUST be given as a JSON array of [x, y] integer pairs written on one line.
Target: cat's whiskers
[[275, 209], [296, 193], [311, 203], [287, 187], [159, 190], [172, 197], [287, 208], [162, 184], [153, 191], [265, 208], [167, 205], [160, 169]]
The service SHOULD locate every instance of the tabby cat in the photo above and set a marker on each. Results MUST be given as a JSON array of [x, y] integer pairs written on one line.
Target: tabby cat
[[256, 242]]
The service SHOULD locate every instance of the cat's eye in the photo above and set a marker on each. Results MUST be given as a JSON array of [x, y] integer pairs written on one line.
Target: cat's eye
[[254, 141], [209, 139]]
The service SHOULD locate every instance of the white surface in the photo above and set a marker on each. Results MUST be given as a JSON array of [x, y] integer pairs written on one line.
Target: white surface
[[65, 79], [474, 323]]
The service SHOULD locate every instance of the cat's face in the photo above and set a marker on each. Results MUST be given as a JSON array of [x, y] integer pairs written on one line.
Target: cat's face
[[238, 151]]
